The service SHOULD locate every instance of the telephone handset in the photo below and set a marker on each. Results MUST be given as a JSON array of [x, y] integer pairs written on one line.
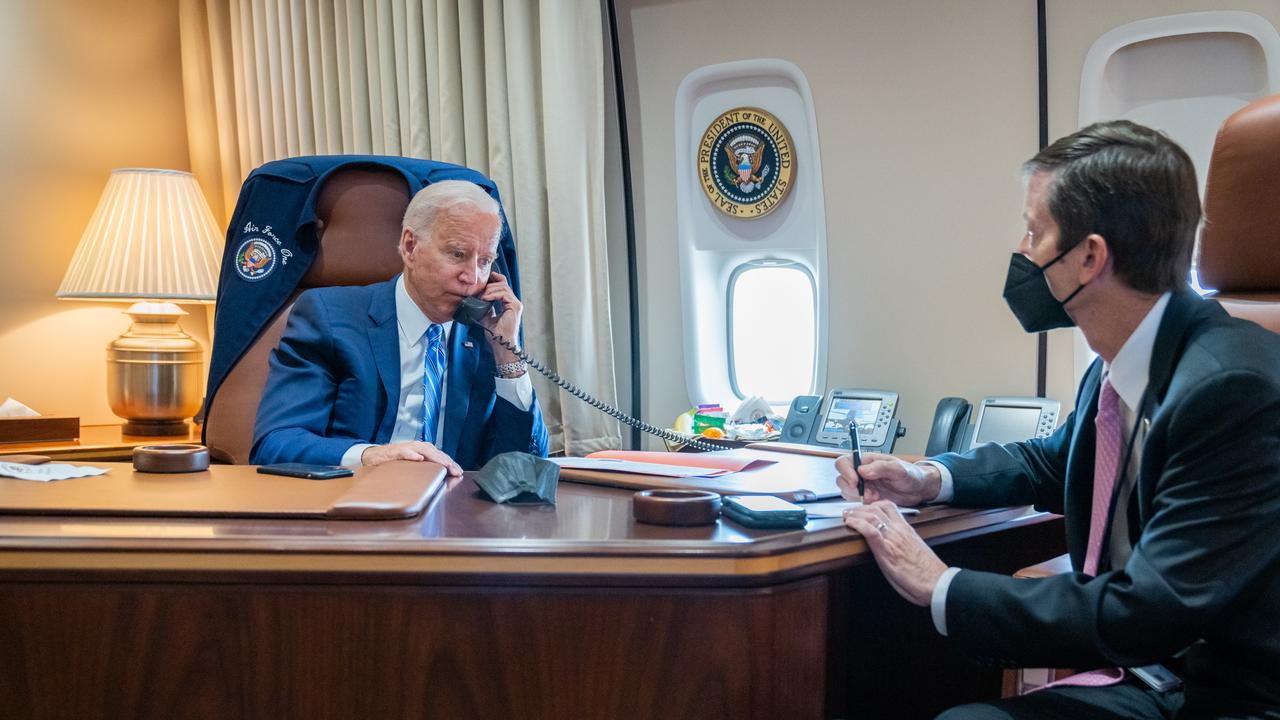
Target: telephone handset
[[950, 425], [473, 311]]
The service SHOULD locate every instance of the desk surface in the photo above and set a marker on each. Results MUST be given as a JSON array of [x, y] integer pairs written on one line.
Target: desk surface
[[390, 490], [589, 532]]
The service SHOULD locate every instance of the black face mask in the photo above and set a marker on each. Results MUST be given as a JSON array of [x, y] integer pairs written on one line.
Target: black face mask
[[1029, 297]]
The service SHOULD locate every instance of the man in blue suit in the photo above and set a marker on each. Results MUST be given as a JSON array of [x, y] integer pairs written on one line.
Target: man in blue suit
[[363, 375]]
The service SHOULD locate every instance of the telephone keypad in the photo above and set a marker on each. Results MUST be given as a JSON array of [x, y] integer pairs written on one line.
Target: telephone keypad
[[874, 435], [1048, 421]]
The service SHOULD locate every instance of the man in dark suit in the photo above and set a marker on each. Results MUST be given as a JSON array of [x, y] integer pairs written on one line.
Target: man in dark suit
[[1168, 471], [363, 375]]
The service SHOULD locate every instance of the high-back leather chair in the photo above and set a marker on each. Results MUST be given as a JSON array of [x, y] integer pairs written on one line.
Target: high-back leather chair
[[302, 223], [1240, 242], [359, 212]]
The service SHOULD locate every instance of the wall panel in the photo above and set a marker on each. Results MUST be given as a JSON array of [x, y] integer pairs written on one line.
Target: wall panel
[[1073, 27], [88, 87], [925, 112]]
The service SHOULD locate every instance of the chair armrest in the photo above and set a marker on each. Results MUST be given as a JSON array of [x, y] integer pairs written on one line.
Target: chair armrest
[[1056, 566], [1015, 681]]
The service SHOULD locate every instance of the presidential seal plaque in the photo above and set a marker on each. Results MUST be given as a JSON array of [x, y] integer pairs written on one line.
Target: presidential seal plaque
[[746, 165]]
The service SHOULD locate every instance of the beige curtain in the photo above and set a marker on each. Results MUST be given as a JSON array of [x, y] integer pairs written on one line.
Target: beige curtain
[[512, 88]]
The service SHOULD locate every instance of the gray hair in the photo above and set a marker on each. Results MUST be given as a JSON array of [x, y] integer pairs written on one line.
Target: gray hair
[[444, 195]]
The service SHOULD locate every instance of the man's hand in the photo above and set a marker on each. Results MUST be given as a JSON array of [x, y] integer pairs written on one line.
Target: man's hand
[[908, 564], [885, 477], [507, 324], [411, 450]]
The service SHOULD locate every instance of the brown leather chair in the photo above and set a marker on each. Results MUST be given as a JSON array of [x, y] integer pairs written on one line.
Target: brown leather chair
[[359, 213], [1240, 242], [1017, 681]]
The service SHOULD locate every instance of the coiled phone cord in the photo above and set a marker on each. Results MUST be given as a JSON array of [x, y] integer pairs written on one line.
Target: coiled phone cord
[[603, 407]]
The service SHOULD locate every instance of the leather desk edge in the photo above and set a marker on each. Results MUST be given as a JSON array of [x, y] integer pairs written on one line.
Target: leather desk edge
[[784, 557]]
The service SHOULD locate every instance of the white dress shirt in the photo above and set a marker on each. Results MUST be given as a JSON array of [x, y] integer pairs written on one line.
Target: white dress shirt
[[413, 325], [1129, 374]]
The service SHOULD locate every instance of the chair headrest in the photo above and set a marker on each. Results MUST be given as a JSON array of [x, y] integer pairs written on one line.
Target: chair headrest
[[358, 216], [1240, 242]]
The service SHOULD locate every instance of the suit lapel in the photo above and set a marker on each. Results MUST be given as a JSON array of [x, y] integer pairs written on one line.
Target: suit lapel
[[462, 368], [1185, 310], [384, 341]]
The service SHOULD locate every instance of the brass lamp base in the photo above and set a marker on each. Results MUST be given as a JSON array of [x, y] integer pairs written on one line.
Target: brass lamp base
[[159, 427], [153, 372]]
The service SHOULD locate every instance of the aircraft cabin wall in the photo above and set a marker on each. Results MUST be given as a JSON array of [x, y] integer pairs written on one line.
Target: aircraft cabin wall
[[1073, 29], [925, 111]]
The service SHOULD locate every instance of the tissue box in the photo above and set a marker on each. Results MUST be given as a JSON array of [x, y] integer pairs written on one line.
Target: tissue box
[[39, 429]]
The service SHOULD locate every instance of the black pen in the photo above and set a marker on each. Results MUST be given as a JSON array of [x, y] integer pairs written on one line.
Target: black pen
[[856, 447]]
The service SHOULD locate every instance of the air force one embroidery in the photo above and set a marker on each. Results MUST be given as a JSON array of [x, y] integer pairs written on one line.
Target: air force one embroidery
[[257, 256], [255, 259], [746, 164]]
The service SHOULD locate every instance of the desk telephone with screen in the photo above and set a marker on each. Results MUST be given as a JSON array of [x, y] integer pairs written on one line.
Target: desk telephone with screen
[[999, 419], [813, 420]]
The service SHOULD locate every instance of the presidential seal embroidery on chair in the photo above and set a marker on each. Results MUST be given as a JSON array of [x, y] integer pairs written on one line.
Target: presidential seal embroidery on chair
[[255, 259], [745, 163]]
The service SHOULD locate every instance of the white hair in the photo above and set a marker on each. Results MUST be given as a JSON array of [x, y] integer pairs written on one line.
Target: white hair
[[430, 200]]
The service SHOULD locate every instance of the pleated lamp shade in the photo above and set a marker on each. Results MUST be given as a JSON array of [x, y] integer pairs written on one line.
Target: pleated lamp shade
[[152, 237]]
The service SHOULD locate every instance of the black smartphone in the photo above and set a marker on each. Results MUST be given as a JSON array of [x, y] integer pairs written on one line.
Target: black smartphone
[[764, 511], [1157, 677], [305, 470]]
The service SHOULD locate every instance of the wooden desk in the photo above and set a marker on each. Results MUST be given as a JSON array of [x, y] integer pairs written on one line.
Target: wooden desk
[[105, 443], [476, 610]]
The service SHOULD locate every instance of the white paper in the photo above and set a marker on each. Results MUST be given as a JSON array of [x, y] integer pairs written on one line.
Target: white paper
[[48, 471], [836, 509], [13, 408], [752, 410], [638, 468], [755, 432]]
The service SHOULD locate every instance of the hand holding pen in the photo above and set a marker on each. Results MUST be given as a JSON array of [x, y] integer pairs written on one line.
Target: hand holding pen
[[874, 476]]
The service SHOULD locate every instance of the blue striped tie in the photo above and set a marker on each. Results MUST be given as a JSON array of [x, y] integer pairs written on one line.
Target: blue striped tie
[[432, 376]]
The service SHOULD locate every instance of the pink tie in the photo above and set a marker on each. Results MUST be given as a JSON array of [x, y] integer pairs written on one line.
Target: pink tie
[[1094, 678], [1105, 464]]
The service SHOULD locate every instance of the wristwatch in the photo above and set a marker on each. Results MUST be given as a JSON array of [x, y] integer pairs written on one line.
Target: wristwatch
[[512, 370]]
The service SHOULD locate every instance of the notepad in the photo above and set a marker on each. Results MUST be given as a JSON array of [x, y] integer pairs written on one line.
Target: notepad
[[638, 468], [728, 461], [759, 472], [836, 509]]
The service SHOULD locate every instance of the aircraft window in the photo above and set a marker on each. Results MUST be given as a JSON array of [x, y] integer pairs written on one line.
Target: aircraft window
[[772, 330]]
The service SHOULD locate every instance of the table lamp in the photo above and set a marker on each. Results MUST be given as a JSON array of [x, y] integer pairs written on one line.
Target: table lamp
[[152, 240]]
